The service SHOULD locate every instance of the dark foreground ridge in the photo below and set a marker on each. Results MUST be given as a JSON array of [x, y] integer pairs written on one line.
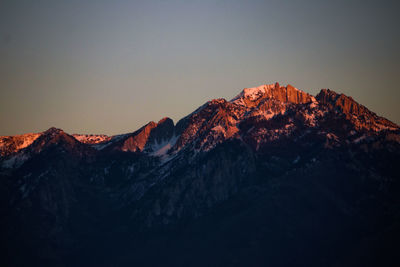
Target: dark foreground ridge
[[274, 177]]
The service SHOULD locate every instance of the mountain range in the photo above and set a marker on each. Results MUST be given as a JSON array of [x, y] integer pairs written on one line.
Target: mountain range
[[273, 177]]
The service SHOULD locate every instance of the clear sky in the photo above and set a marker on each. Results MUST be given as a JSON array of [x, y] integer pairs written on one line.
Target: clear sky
[[112, 66]]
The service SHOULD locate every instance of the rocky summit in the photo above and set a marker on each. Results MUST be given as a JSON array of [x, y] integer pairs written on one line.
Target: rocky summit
[[273, 177]]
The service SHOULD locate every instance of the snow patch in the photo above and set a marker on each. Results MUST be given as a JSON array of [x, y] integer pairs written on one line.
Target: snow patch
[[252, 94], [14, 162], [161, 149]]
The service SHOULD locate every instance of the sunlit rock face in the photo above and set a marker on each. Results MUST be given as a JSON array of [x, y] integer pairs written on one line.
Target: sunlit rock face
[[251, 97], [137, 141], [92, 138], [359, 115], [269, 178], [12, 144]]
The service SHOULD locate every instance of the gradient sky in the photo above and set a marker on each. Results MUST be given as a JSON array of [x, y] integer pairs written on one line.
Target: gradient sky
[[112, 66]]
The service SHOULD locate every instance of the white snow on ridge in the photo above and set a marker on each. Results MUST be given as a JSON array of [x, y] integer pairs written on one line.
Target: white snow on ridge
[[91, 138], [15, 161], [252, 94]]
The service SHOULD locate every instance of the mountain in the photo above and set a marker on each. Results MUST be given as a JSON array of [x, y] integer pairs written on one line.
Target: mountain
[[274, 176], [12, 144]]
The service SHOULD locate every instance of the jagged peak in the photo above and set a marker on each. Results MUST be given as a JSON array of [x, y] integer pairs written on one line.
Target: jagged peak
[[346, 103], [164, 120], [361, 116], [327, 94], [150, 124], [54, 135], [250, 97], [262, 102], [326, 91], [15, 144], [137, 141], [52, 130], [254, 93]]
